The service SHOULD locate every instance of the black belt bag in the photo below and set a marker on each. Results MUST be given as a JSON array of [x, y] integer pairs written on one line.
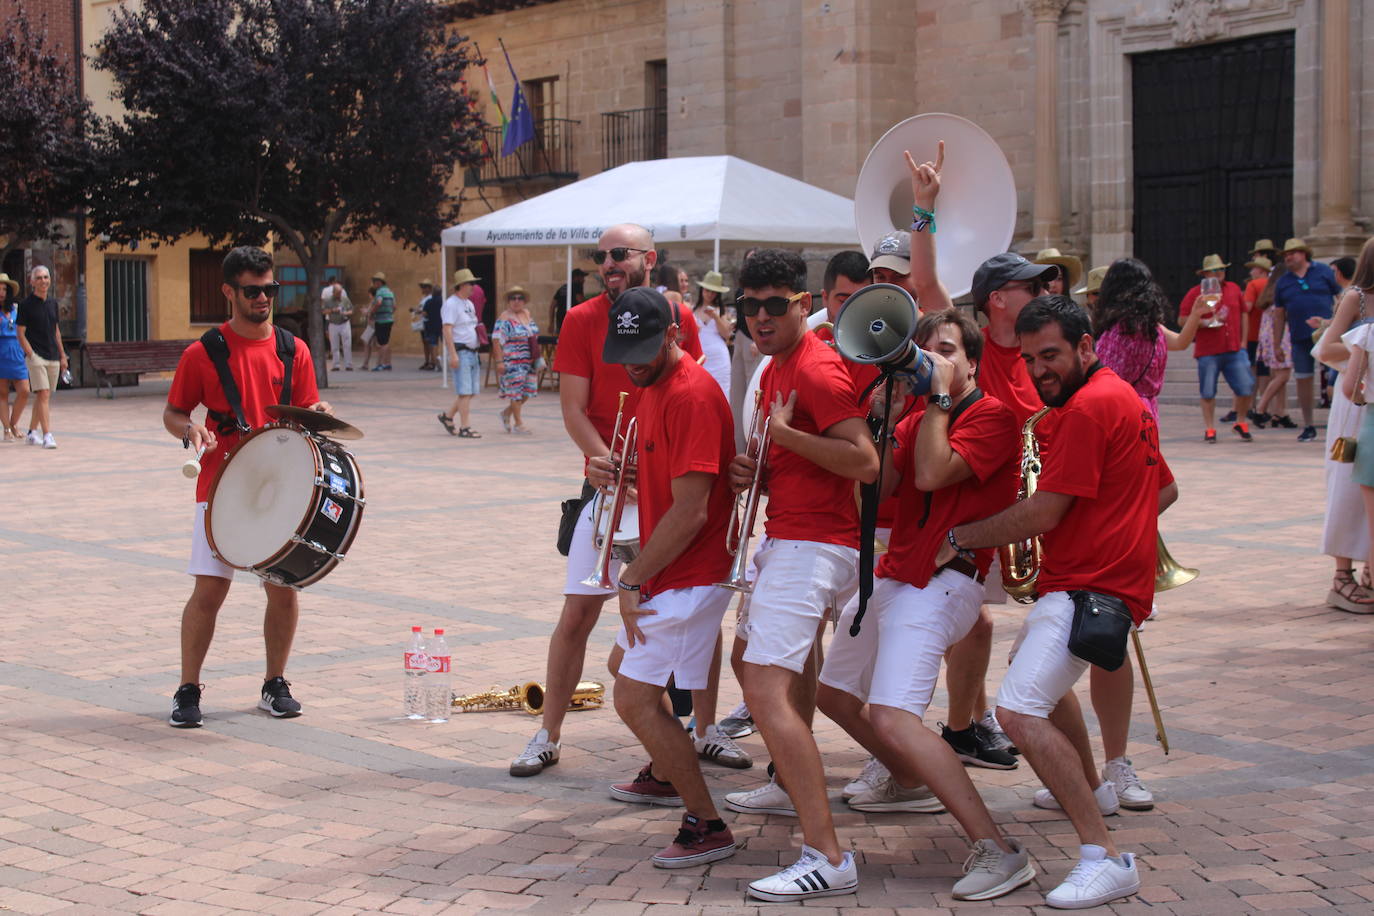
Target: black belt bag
[[1101, 626], [572, 511]]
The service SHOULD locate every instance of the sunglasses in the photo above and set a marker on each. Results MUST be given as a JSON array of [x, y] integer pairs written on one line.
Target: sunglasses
[[254, 290], [515, 296], [1302, 281], [776, 306], [617, 254]]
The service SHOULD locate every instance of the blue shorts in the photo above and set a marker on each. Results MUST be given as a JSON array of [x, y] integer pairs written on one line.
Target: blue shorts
[[467, 375], [1234, 365], [1304, 366]]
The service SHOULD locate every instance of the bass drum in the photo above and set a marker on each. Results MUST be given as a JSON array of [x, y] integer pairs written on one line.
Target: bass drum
[[285, 505]]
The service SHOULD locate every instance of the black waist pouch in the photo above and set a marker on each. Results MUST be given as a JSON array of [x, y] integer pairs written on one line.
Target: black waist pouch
[[1101, 626], [572, 511]]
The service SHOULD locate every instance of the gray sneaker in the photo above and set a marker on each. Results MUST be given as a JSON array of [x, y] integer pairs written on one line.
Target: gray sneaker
[[888, 796], [739, 724], [990, 730], [989, 872]]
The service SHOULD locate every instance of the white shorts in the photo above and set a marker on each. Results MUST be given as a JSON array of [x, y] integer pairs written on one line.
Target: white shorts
[[993, 592], [797, 582], [895, 659], [582, 555], [203, 562], [679, 641], [1042, 667]]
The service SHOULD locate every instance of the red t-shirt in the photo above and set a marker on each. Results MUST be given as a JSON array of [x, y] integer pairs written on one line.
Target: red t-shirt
[[1211, 341], [258, 373], [806, 502], [1253, 289], [1106, 541], [985, 437], [580, 343], [684, 425], [1002, 374]]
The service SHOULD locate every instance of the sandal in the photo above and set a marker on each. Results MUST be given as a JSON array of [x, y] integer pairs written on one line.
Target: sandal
[[448, 424], [1349, 595], [467, 432], [523, 431], [505, 419]]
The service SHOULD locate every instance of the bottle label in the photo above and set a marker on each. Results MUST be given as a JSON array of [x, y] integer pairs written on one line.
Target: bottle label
[[438, 664], [417, 661]]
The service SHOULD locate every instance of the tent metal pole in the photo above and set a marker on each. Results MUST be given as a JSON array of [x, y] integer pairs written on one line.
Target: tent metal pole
[[443, 294], [567, 298], [715, 259]]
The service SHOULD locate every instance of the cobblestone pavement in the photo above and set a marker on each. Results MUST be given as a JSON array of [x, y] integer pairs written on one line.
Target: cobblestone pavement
[[1264, 802]]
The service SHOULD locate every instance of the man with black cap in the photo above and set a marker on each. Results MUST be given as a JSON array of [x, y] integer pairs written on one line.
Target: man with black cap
[[670, 606]]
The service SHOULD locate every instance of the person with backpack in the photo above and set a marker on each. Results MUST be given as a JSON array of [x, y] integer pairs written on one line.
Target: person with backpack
[[236, 371]]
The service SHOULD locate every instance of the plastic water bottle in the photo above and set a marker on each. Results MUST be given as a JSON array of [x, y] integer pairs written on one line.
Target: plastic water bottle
[[438, 686], [416, 667]]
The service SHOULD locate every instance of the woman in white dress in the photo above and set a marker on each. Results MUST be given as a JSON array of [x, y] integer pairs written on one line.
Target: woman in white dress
[[716, 328]]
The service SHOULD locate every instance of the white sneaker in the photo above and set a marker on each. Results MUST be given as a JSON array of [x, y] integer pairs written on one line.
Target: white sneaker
[[33, 438], [539, 753], [889, 796], [769, 798], [49, 441], [869, 777], [1096, 880], [1105, 794], [810, 876], [716, 746], [989, 872], [1130, 791]]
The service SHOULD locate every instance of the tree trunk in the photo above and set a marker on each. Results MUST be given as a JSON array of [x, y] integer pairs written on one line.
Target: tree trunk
[[314, 316]]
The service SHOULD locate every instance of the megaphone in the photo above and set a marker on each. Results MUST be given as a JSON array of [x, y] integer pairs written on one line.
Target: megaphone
[[876, 326]]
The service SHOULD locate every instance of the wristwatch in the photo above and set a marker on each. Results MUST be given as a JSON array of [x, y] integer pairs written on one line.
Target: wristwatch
[[942, 401]]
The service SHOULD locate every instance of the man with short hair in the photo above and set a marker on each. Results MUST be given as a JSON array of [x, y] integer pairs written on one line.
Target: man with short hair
[[1221, 350], [1095, 510], [338, 311], [459, 319], [41, 338], [430, 328], [589, 394], [953, 461], [819, 445], [257, 359], [381, 311], [1307, 290], [670, 604]]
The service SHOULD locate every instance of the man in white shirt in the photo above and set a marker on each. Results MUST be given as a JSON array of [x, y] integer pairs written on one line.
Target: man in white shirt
[[459, 317], [337, 309]]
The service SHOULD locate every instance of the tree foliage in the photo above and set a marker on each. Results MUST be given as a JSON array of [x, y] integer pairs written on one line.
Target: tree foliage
[[45, 159], [315, 120]]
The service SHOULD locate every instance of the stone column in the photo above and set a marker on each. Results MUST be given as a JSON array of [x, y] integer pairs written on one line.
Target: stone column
[[1045, 215], [1336, 233]]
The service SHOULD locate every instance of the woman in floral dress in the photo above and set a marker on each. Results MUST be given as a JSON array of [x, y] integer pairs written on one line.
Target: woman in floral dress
[[515, 347]]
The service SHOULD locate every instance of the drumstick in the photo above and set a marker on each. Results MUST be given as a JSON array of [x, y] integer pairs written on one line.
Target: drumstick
[[192, 466]]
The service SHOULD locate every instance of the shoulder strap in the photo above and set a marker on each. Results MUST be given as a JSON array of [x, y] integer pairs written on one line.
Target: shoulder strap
[[975, 395], [217, 348], [286, 352]]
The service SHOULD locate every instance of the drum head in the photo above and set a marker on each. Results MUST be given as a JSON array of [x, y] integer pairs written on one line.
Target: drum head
[[627, 532], [263, 492]]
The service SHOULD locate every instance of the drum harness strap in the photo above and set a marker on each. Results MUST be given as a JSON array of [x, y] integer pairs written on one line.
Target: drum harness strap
[[217, 348]]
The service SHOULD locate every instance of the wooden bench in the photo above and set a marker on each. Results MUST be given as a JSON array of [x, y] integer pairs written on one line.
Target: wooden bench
[[132, 357]]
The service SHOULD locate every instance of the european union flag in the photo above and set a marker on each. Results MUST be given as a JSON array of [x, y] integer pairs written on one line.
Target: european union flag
[[520, 130]]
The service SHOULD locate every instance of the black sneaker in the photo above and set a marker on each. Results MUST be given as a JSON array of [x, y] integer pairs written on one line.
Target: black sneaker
[[1230, 417], [277, 699], [1308, 434], [1259, 419], [973, 749], [186, 707], [1284, 422]]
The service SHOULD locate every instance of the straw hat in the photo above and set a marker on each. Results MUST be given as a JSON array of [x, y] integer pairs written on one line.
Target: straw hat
[[13, 284], [1093, 283], [1296, 245], [517, 291], [427, 284], [464, 276], [1212, 262], [1072, 266], [1261, 262], [1263, 246], [379, 276], [714, 282]]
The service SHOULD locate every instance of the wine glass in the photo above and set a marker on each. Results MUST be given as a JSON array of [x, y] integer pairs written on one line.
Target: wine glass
[[1209, 297]]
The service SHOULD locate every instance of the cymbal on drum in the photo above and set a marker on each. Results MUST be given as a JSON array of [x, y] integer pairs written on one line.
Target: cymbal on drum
[[315, 421]]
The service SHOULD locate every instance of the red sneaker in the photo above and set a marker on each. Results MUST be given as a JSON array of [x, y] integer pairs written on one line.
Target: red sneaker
[[1210, 436], [696, 844], [646, 790]]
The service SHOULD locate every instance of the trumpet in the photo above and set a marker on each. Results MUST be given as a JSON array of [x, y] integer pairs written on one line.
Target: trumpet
[[747, 503], [610, 507], [1021, 561]]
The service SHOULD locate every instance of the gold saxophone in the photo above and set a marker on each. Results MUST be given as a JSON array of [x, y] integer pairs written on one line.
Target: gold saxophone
[[529, 697], [1021, 561]]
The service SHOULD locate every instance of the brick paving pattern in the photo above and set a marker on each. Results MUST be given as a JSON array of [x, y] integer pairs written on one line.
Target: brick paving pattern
[[1263, 805]]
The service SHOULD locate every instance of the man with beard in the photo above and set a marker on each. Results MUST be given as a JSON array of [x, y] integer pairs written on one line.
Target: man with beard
[[1095, 510], [589, 394], [268, 366], [670, 605]]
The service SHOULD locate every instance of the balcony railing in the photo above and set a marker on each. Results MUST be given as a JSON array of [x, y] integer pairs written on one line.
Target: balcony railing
[[550, 156], [633, 136]]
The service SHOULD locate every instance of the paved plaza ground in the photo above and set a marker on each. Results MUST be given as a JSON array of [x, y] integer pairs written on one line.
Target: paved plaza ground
[[1264, 802]]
